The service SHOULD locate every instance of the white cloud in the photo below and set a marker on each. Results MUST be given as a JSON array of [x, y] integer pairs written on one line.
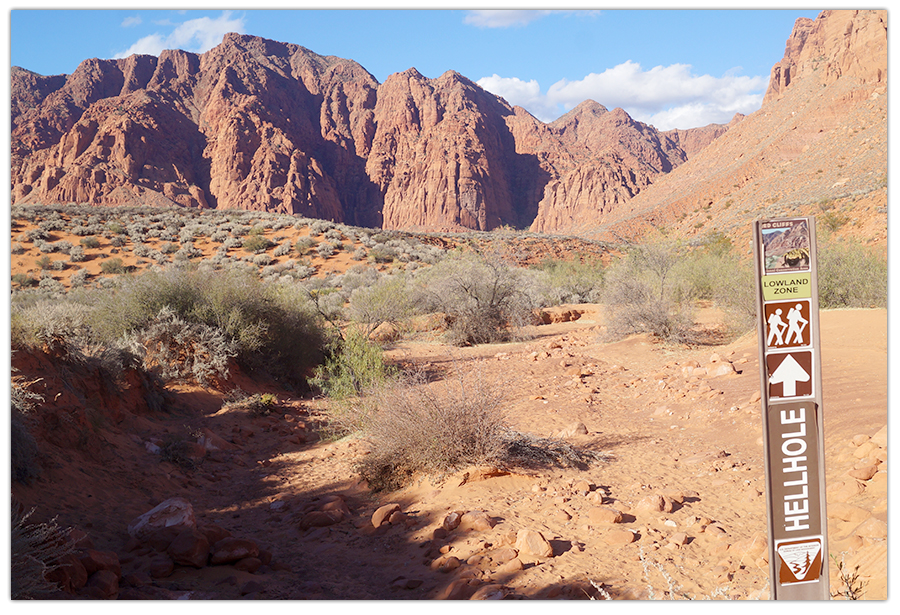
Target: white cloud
[[665, 96], [129, 22], [503, 18], [196, 35]]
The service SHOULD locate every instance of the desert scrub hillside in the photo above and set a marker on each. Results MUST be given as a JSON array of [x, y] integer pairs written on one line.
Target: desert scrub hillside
[[60, 247]]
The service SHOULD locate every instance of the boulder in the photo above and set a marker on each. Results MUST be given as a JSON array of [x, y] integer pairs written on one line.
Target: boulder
[[383, 514], [160, 525], [533, 542], [229, 550], [189, 548]]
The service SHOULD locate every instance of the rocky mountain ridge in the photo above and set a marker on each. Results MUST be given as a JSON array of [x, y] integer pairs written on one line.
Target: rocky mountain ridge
[[818, 146], [261, 125]]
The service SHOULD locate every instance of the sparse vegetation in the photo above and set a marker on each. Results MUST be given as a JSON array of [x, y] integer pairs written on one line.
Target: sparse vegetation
[[643, 296], [485, 299], [851, 275], [35, 551]]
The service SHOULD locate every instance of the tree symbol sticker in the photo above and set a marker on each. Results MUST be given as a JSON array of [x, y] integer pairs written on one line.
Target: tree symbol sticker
[[800, 561]]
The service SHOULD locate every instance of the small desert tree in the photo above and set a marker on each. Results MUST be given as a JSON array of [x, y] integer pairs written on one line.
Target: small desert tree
[[485, 299], [641, 293]]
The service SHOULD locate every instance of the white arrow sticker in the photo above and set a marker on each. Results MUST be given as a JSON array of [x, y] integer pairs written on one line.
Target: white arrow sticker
[[788, 374]]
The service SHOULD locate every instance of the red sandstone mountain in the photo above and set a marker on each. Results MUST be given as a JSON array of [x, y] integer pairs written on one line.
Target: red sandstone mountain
[[817, 146], [257, 124]]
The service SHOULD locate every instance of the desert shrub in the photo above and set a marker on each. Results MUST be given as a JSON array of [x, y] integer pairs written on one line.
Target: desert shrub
[[37, 233], [851, 275], [283, 249], [112, 266], [23, 280], [44, 246], [117, 241], [169, 248], [116, 228], [273, 326], [231, 242], [43, 262], [36, 549], [383, 301], [58, 265], [76, 254], [382, 254], [89, 242], [79, 277], [325, 249], [419, 428], [17, 248], [304, 244], [62, 246], [483, 297], [572, 281], [641, 294], [175, 349], [256, 244], [317, 227], [57, 325], [359, 254], [51, 285], [257, 404], [354, 365]]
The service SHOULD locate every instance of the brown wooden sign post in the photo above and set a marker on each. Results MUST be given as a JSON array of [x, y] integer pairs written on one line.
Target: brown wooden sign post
[[790, 377]]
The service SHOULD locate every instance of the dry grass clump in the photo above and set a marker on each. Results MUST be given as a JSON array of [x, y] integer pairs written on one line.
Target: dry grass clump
[[257, 404], [419, 428], [35, 551]]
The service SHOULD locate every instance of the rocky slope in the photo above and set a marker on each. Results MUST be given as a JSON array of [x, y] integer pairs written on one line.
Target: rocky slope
[[261, 125], [817, 146]]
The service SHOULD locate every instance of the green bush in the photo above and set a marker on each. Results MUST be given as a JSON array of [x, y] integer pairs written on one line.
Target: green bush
[[851, 275], [354, 365], [112, 266], [273, 325], [23, 280], [384, 301], [89, 242], [256, 244], [573, 281]]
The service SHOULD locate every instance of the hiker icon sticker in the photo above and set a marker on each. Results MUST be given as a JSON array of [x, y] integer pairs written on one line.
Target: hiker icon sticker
[[785, 245], [787, 324], [801, 560], [790, 374]]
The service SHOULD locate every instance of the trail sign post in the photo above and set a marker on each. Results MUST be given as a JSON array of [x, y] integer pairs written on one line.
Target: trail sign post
[[784, 251]]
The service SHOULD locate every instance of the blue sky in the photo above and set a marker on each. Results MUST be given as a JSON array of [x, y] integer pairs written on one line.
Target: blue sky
[[669, 68]]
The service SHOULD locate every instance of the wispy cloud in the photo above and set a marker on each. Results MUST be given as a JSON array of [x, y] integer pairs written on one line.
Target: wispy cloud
[[665, 96], [130, 22], [197, 35], [503, 18]]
